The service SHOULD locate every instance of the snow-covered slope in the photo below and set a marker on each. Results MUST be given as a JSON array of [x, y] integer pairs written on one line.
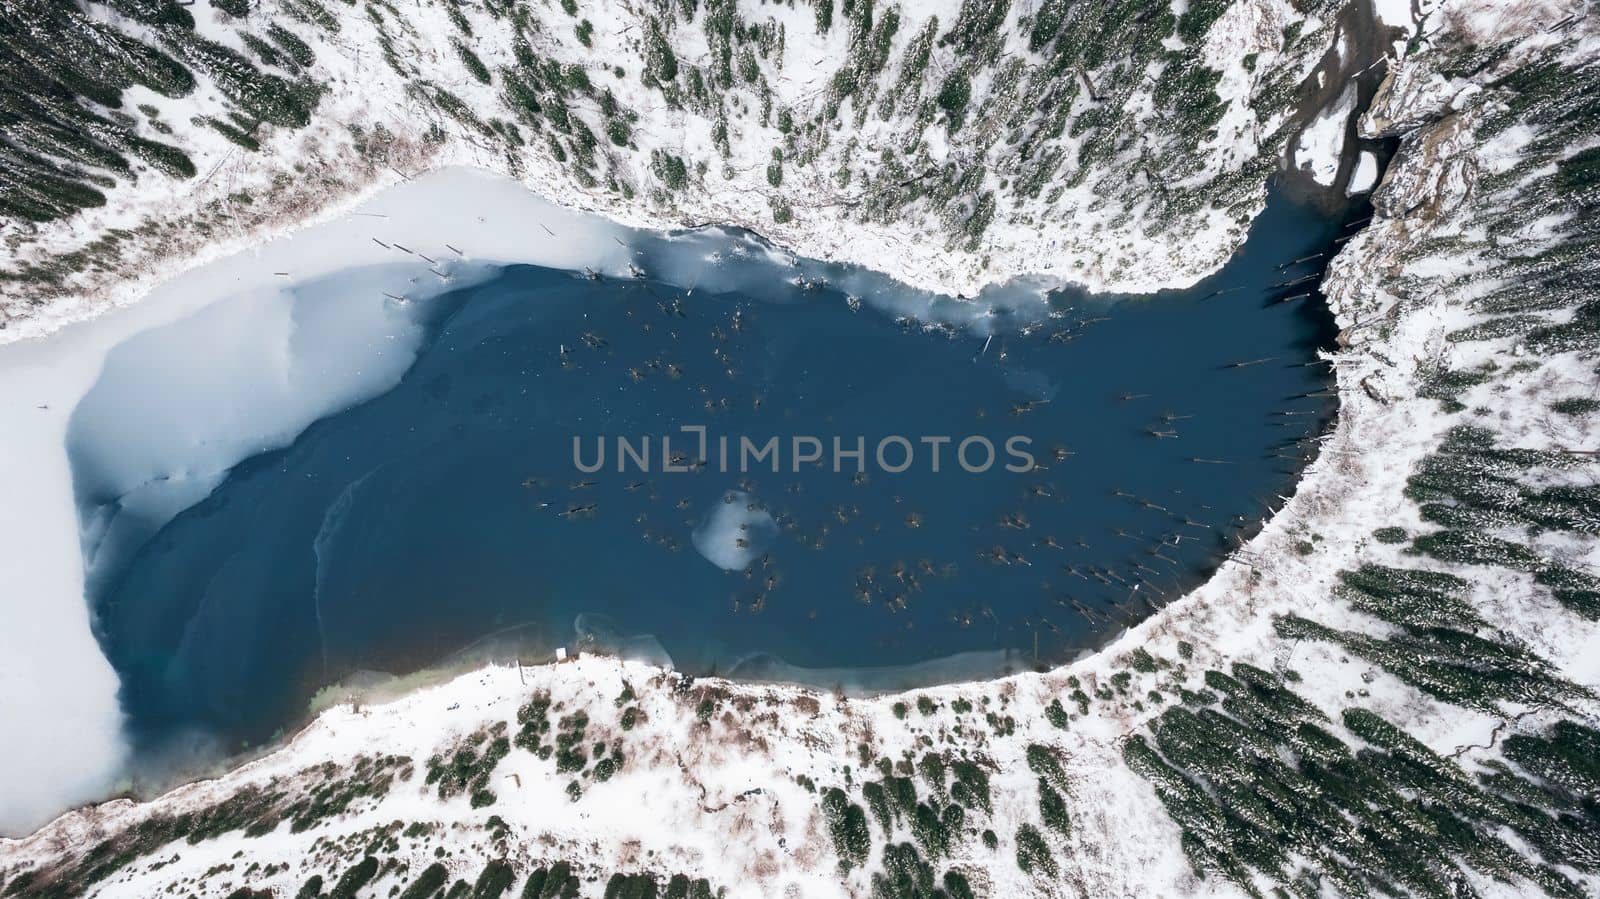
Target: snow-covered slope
[[951, 144]]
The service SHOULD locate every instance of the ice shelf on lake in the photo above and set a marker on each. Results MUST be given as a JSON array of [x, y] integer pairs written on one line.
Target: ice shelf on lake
[[157, 401], [227, 360]]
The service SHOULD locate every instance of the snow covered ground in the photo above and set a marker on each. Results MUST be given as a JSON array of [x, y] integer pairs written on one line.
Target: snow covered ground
[[1321, 145], [1076, 232]]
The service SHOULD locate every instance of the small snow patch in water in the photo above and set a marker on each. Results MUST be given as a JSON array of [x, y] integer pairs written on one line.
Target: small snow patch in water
[[1366, 174], [735, 532]]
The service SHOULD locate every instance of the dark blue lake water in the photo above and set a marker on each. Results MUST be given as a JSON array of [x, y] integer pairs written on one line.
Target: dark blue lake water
[[393, 534]]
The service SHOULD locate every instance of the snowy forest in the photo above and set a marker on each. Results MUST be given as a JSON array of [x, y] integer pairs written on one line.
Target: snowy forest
[[1390, 692]]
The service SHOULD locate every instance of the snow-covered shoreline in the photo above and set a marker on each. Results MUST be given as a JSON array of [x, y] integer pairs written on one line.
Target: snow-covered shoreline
[[877, 250], [1070, 236]]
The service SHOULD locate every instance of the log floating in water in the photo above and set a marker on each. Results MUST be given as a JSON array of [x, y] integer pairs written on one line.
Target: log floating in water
[[1300, 260]]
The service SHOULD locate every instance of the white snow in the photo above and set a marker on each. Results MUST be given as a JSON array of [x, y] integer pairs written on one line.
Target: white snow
[[1395, 13], [1365, 175], [57, 692], [1322, 141]]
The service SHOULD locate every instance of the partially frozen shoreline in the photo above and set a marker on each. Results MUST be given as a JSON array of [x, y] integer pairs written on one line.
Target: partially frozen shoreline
[[54, 681], [315, 321]]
